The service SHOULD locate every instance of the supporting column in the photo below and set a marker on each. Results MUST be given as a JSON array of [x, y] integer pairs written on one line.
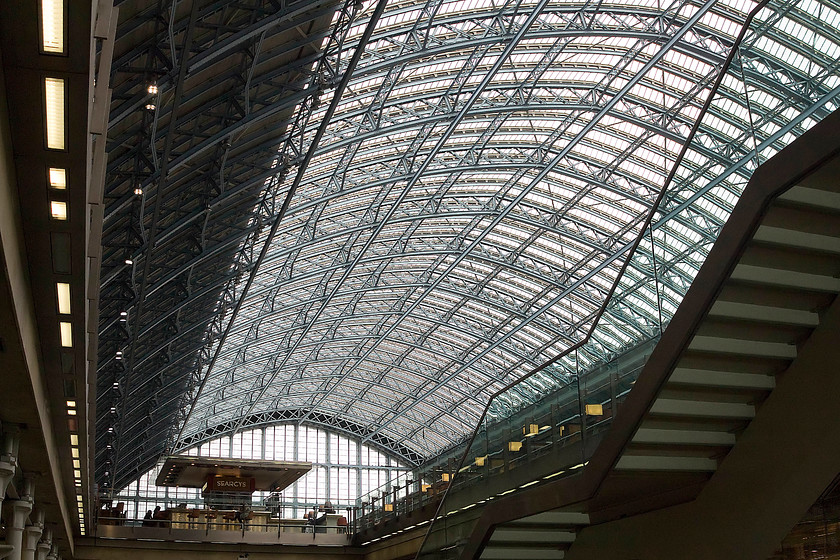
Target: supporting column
[[18, 513], [9, 439], [31, 536], [44, 546], [53, 553]]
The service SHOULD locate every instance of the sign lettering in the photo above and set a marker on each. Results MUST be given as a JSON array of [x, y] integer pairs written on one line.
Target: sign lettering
[[230, 484]]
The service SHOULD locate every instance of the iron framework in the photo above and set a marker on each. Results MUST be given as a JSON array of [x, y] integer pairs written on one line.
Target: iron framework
[[463, 216]]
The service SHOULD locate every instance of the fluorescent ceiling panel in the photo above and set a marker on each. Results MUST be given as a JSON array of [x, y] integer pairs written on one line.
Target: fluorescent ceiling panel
[[66, 334], [52, 26], [63, 290], [54, 91], [58, 209], [58, 178]]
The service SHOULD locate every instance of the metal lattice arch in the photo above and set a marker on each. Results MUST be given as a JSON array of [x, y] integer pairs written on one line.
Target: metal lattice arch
[[463, 216]]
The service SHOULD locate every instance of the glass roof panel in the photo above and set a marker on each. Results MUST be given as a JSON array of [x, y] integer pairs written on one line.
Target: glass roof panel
[[473, 198]]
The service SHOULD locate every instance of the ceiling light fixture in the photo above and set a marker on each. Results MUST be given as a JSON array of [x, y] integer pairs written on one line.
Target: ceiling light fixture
[[54, 92], [63, 290], [58, 209], [52, 26], [66, 329], [58, 178]]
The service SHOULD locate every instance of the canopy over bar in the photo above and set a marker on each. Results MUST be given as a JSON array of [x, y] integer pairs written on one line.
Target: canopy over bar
[[194, 472]]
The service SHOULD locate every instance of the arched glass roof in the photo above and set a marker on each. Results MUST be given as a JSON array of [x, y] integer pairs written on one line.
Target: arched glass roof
[[475, 194]]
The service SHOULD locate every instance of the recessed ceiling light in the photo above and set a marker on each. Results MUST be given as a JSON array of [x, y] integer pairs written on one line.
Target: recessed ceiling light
[[129, 261], [66, 334], [138, 191], [58, 209], [58, 178], [63, 289], [54, 91], [152, 89], [52, 26]]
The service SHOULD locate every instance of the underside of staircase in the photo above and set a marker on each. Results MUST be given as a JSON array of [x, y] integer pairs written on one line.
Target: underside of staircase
[[731, 430]]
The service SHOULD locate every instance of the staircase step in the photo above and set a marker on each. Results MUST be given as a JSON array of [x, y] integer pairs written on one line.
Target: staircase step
[[741, 347], [524, 535], [764, 314], [521, 553], [785, 278], [797, 239], [665, 463], [722, 379], [554, 518], [813, 198], [683, 437], [702, 409]]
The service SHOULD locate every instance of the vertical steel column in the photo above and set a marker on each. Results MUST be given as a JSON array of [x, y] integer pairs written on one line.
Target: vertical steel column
[[296, 439], [328, 467]]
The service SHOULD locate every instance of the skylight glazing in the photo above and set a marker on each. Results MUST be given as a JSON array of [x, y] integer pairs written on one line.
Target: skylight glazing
[[475, 194]]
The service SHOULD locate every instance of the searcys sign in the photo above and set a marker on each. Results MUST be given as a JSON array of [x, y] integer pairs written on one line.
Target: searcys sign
[[230, 484]]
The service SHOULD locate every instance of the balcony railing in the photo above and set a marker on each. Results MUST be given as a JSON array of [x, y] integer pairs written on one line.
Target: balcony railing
[[552, 437], [255, 527]]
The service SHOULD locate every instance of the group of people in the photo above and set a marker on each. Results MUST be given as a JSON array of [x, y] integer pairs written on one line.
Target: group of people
[[156, 518]]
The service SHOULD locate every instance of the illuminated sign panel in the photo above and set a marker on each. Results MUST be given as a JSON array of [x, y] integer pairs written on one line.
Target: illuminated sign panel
[[230, 484]]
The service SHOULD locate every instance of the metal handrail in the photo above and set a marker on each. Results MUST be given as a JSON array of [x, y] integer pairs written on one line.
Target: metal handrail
[[231, 526]]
